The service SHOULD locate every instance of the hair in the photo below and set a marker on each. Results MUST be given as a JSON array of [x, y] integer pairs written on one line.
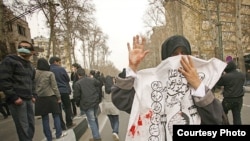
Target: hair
[[54, 59], [80, 72], [42, 64], [92, 72], [23, 41], [76, 65]]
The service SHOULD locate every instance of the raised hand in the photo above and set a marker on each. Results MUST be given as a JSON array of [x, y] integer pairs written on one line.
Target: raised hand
[[137, 53]]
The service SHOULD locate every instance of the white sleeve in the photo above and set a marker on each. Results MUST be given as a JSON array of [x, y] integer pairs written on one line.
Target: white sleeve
[[130, 72], [200, 91]]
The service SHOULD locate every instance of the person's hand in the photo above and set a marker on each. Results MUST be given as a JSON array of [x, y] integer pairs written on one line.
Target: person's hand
[[59, 101], [189, 72], [33, 99], [19, 101], [137, 53]]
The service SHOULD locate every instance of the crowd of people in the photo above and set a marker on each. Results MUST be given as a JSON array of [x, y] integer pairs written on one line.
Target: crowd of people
[[28, 91], [47, 87]]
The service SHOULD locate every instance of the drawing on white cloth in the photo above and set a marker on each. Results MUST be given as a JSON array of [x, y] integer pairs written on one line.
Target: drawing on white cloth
[[172, 94]]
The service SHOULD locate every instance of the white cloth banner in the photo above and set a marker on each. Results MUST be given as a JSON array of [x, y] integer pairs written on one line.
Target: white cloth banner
[[163, 96]]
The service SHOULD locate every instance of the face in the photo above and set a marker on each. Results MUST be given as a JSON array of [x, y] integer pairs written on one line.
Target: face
[[26, 46], [74, 69], [179, 51]]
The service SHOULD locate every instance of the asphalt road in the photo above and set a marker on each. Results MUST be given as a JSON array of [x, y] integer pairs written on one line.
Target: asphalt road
[[8, 131], [106, 131]]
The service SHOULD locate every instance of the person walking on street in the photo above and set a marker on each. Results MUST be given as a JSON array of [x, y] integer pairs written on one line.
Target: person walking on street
[[74, 78], [48, 99], [62, 79], [108, 108], [17, 82], [233, 91], [86, 94]]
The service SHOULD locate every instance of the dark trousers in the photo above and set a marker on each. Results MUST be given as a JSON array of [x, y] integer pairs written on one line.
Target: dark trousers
[[63, 125], [67, 108], [73, 104], [24, 119], [235, 105], [3, 111]]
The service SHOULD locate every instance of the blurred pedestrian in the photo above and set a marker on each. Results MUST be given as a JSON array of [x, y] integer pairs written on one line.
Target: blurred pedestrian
[[74, 78], [48, 99], [233, 91], [86, 94], [108, 107], [62, 79], [17, 82]]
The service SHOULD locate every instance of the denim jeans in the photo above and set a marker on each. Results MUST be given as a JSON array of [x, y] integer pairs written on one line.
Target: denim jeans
[[24, 119], [234, 104], [114, 121], [46, 126], [91, 114]]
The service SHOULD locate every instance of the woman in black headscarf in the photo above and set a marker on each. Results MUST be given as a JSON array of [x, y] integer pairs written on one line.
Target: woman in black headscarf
[[48, 98], [210, 110]]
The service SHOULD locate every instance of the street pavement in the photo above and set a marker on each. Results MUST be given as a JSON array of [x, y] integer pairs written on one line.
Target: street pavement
[[8, 131], [106, 132]]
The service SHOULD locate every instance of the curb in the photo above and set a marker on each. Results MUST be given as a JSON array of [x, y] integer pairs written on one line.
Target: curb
[[80, 129]]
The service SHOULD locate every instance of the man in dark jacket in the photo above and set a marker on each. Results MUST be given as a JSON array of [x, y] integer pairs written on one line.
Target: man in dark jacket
[[17, 82], [62, 79], [233, 92], [86, 93]]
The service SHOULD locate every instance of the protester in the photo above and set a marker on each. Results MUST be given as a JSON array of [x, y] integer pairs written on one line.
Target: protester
[[86, 94], [202, 103], [74, 78], [62, 79], [17, 82], [108, 107], [97, 75], [48, 99], [233, 91]]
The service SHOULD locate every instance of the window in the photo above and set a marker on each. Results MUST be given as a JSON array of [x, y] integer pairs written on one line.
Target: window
[[9, 24], [21, 30]]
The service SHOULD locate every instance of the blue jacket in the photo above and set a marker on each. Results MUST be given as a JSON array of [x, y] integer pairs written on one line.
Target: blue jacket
[[62, 78]]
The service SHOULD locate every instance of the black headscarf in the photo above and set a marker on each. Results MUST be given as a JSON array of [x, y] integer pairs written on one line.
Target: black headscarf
[[43, 64], [172, 43]]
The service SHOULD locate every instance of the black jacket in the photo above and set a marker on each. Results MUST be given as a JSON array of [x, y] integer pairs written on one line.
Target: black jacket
[[86, 92], [17, 78], [233, 82]]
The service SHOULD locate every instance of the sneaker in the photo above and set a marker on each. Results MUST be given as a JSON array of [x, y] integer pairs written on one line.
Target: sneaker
[[115, 137], [63, 135]]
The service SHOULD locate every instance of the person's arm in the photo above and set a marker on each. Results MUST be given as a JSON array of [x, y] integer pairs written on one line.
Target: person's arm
[[54, 87], [77, 94], [209, 108], [123, 91], [6, 81]]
